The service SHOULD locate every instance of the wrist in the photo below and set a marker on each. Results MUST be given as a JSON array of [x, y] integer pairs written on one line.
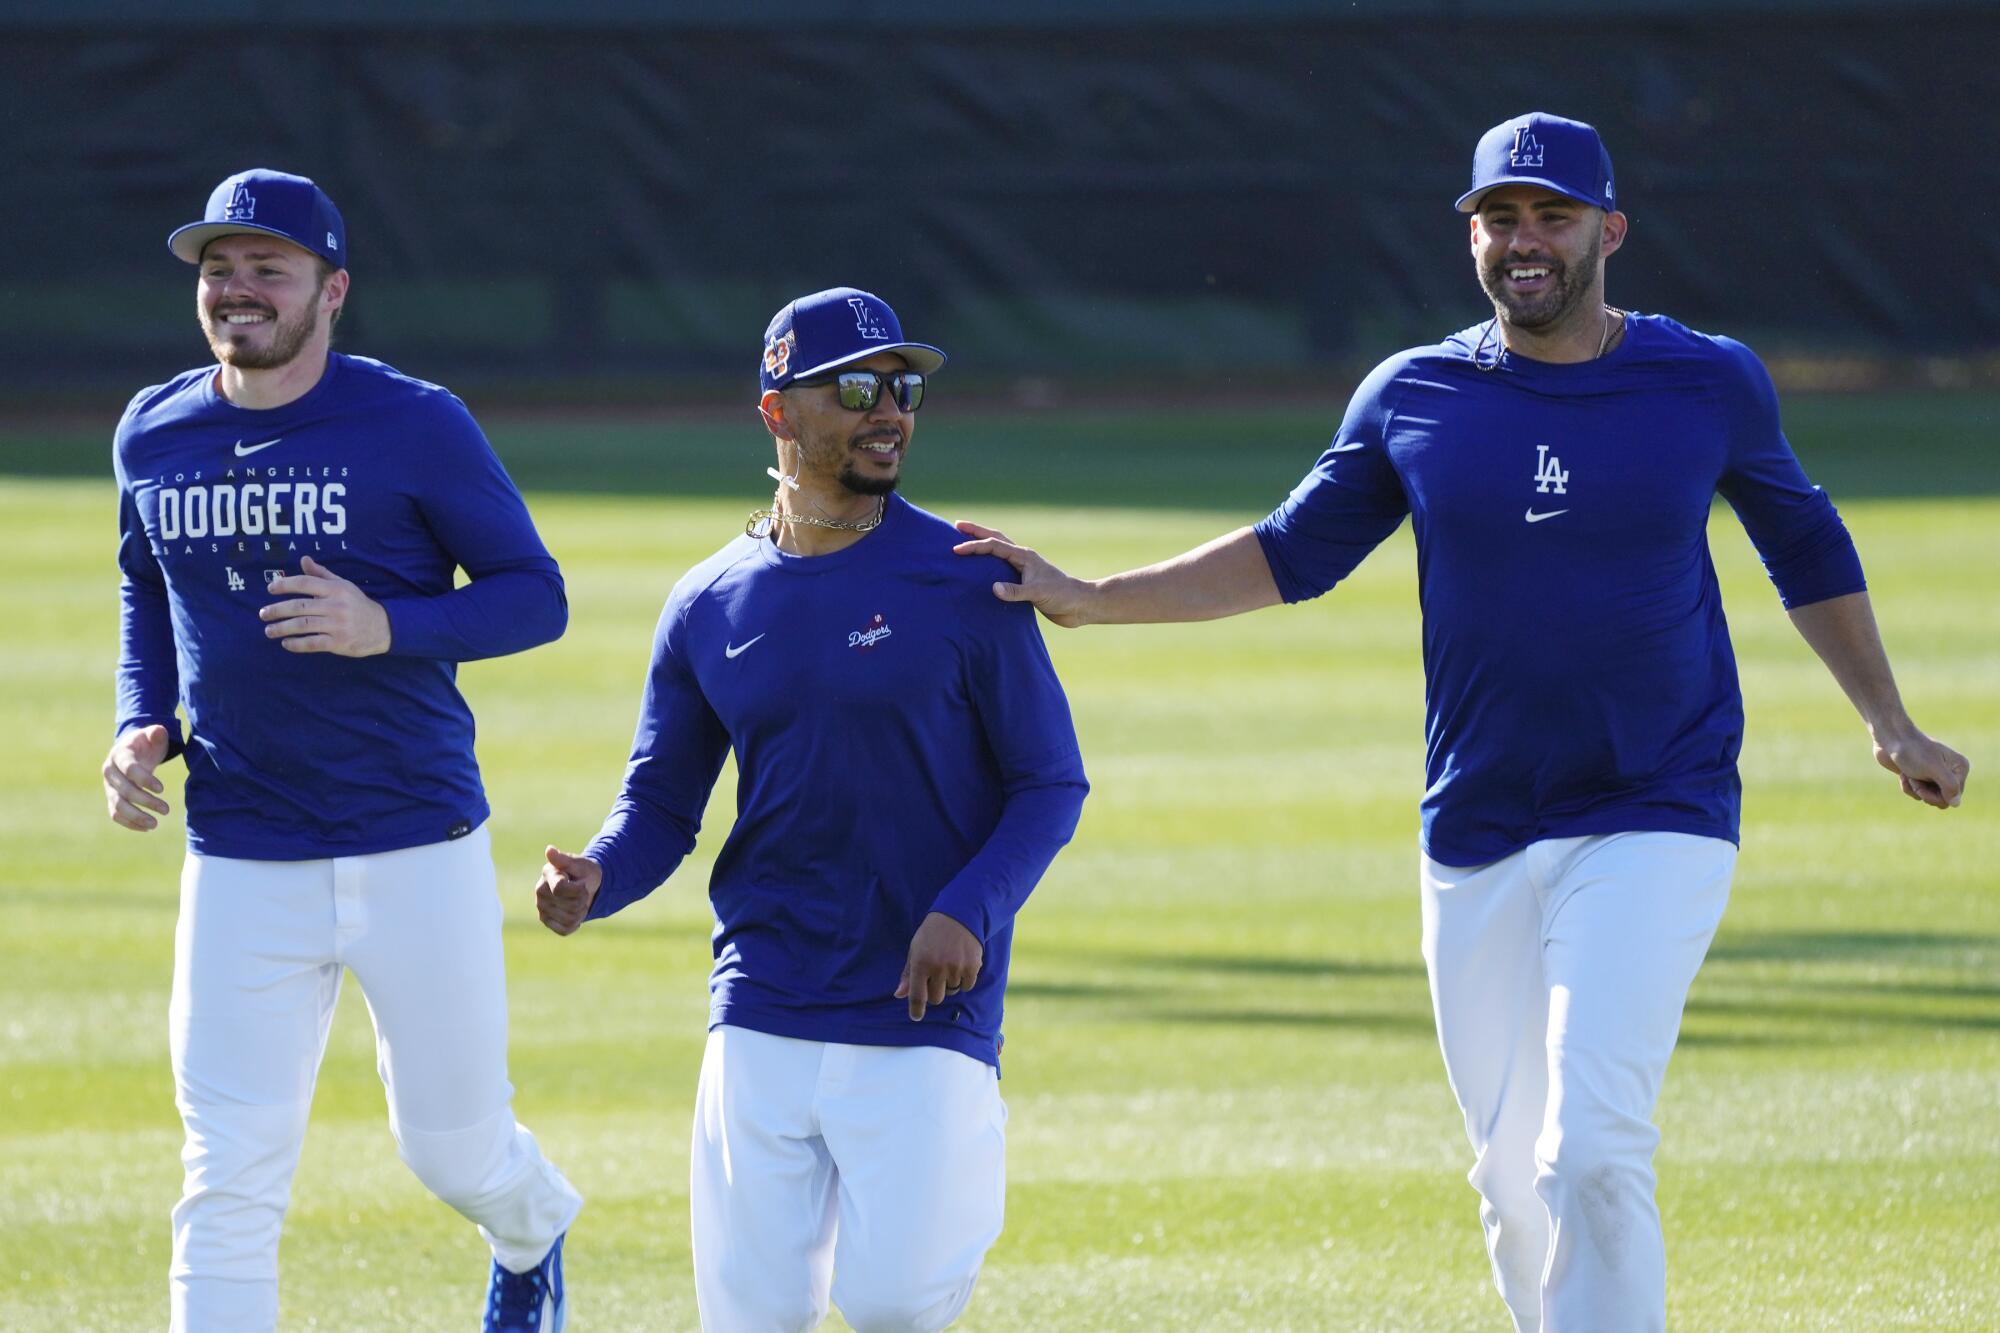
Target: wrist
[[1094, 601], [385, 630], [1890, 725]]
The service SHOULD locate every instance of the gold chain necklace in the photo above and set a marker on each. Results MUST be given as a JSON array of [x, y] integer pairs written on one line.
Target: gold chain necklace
[[780, 516], [1500, 349], [1605, 341]]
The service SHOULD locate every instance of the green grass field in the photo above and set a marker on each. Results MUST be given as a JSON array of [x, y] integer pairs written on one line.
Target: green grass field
[[1228, 1110]]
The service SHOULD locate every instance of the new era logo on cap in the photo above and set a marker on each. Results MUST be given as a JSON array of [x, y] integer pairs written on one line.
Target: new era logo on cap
[[833, 328], [271, 203], [1566, 156]]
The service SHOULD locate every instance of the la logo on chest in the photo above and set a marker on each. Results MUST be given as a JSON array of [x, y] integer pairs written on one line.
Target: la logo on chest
[[1549, 475], [1550, 479]]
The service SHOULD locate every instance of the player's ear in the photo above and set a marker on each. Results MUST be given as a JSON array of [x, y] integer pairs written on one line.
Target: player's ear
[[771, 407], [333, 292], [1615, 224]]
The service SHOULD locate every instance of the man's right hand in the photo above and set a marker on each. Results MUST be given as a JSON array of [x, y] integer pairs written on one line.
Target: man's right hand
[[1055, 594], [564, 893], [130, 789]]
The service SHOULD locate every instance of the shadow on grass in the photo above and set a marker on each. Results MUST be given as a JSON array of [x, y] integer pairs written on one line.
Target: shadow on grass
[[1904, 946], [1328, 993], [1790, 1006], [1018, 989], [1807, 1000], [1254, 965], [1407, 1025], [1699, 1038]]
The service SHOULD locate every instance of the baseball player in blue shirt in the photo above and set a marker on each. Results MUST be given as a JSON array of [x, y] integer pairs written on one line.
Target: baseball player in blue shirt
[[289, 526], [1557, 464], [905, 772]]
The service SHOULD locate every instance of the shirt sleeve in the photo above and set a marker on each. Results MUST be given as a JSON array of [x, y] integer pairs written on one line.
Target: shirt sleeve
[[677, 754], [1025, 717], [148, 676], [1798, 533], [1346, 506], [515, 599]]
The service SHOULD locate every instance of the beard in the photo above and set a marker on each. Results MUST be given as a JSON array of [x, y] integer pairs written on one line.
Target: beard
[[288, 337], [1547, 309], [851, 480]]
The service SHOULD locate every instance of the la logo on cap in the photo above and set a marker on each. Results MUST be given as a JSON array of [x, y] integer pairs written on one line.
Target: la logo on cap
[[865, 319], [242, 204], [1527, 149]]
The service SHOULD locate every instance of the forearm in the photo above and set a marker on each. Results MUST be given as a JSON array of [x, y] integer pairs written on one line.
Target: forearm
[[638, 849], [506, 612], [1842, 631], [1225, 577], [1035, 824], [148, 675]]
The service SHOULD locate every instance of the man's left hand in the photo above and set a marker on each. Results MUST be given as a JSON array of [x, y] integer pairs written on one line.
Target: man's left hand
[[944, 960], [330, 615], [1932, 772]]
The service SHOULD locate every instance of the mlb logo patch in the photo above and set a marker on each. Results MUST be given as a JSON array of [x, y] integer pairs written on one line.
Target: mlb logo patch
[[272, 576]]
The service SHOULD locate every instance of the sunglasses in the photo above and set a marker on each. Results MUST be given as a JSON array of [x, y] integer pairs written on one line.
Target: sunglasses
[[859, 390]]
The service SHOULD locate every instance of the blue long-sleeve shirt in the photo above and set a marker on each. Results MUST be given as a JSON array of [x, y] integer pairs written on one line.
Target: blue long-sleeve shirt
[[902, 746], [384, 480], [1579, 676]]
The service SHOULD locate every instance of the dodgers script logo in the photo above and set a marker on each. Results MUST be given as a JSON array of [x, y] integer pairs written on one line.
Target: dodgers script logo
[[778, 356], [242, 204], [1527, 149], [865, 320], [864, 639]]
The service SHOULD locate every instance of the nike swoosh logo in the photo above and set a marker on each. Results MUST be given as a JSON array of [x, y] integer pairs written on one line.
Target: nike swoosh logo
[[1348, 448], [1533, 517], [245, 450], [741, 648]]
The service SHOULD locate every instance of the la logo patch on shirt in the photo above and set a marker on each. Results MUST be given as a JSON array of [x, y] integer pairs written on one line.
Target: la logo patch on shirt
[[865, 639]]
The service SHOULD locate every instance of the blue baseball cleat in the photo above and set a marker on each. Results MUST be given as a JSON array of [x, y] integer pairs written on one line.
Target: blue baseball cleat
[[530, 1302]]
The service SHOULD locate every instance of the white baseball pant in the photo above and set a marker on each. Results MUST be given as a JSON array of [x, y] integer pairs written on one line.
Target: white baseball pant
[[258, 957], [873, 1174], [1558, 977]]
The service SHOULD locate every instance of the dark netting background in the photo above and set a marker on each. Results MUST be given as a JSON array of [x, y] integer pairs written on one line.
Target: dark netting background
[[542, 202]]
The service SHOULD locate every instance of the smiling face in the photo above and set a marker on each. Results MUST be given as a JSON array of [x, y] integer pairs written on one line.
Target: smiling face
[[262, 301], [1540, 255], [861, 451]]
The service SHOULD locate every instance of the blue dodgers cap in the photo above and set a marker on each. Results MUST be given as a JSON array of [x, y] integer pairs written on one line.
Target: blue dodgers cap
[[1567, 156], [273, 203], [829, 329]]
